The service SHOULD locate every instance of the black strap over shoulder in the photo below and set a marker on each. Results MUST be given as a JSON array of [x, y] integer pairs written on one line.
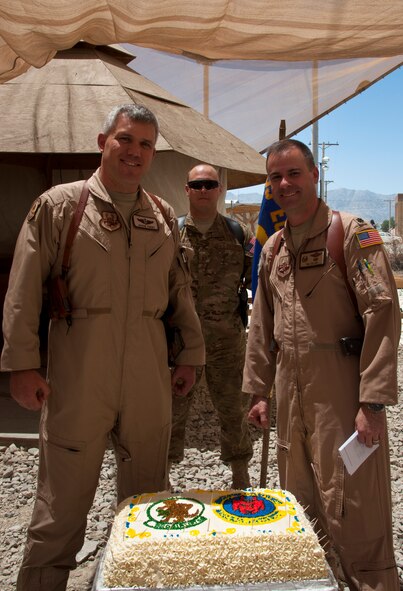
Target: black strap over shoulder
[[236, 229], [232, 225]]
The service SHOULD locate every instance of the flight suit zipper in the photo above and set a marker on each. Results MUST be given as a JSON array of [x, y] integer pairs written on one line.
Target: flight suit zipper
[[295, 259]]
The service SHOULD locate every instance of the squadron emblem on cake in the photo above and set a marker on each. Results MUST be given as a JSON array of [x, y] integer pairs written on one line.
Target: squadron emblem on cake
[[175, 513], [249, 508]]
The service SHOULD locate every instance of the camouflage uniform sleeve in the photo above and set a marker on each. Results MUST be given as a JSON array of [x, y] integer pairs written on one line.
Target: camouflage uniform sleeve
[[260, 363], [34, 254], [371, 277], [181, 303]]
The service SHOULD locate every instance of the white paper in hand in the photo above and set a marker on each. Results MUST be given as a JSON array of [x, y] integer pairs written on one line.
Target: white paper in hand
[[355, 453]]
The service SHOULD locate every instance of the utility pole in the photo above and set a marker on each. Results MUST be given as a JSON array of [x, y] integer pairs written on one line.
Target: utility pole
[[326, 184], [324, 167], [390, 201], [315, 135]]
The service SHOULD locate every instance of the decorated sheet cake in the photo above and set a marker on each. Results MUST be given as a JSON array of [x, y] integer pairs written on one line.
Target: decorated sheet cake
[[211, 538]]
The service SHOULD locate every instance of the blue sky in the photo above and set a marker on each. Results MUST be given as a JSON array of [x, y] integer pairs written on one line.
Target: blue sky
[[369, 131]]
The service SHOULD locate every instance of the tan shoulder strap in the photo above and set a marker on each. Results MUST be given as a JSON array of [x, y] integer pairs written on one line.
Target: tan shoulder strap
[[74, 224], [161, 208], [334, 243], [276, 248]]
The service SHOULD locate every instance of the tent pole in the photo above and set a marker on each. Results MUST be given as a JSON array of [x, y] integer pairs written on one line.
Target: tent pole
[[282, 132], [206, 89]]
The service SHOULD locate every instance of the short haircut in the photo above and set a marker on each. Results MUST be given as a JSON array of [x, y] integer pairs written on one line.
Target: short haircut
[[134, 112], [203, 164], [284, 145]]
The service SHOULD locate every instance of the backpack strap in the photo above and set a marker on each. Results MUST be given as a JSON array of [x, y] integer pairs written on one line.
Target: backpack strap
[[161, 208], [236, 229], [233, 226], [276, 247], [74, 224], [334, 244]]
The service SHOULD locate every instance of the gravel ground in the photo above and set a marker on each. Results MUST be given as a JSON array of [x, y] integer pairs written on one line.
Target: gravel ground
[[201, 468]]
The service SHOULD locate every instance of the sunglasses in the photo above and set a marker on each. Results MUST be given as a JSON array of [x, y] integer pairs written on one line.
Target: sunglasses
[[200, 183]]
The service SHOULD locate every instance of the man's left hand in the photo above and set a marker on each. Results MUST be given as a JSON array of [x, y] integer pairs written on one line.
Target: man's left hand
[[370, 426], [183, 379]]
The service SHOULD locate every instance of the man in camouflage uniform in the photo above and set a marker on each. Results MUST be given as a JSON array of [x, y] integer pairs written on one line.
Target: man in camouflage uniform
[[218, 264]]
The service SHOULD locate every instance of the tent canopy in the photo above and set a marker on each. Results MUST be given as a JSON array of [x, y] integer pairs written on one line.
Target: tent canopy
[[284, 30], [60, 109], [251, 98], [246, 65]]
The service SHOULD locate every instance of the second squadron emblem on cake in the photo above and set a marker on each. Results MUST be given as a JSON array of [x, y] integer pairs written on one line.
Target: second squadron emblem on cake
[[252, 508]]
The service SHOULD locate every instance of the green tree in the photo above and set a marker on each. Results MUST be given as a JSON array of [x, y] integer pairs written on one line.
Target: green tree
[[385, 226]]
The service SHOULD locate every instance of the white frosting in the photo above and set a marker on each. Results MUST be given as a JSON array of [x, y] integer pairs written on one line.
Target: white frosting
[[229, 537]]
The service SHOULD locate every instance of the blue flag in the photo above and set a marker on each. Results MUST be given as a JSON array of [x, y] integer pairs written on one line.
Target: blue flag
[[271, 219]]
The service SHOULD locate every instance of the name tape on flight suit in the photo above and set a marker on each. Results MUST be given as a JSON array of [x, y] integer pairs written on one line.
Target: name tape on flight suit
[[312, 258], [145, 223]]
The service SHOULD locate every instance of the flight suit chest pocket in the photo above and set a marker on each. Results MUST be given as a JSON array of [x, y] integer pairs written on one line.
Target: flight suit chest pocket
[[159, 245], [94, 232], [322, 280]]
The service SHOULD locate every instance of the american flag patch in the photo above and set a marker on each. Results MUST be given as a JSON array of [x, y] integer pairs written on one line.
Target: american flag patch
[[368, 238], [250, 247]]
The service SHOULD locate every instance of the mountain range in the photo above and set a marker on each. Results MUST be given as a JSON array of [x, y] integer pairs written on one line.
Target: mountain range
[[365, 204]]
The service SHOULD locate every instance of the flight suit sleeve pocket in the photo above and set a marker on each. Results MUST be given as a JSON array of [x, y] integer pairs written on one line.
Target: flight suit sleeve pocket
[[156, 248], [93, 232], [369, 285]]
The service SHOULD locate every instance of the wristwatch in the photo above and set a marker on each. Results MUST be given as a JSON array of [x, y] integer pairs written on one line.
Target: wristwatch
[[373, 407]]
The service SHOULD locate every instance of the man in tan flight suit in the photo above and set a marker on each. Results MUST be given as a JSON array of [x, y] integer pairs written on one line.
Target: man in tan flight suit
[[219, 262], [301, 311], [108, 372]]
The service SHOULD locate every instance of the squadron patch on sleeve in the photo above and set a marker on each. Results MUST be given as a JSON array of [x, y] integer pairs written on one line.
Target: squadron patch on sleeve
[[368, 237], [34, 209]]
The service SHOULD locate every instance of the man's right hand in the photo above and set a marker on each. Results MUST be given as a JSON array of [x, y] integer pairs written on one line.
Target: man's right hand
[[259, 412], [29, 388]]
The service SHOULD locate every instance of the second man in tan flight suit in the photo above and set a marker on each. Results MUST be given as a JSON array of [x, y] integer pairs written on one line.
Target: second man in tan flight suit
[[302, 315]]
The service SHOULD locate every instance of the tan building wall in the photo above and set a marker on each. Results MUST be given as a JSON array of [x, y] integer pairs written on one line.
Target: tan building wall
[[399, 214]]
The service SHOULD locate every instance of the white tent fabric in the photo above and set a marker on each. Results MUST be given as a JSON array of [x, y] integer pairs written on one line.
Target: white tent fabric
[[250, 98], [247, 65]]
